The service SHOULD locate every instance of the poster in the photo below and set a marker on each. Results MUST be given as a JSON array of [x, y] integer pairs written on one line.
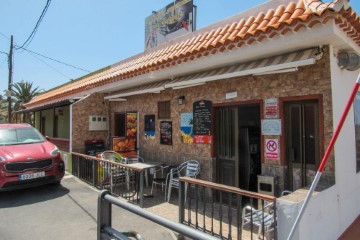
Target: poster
[[166, 132], [186, 128], [149, 127], [121, 144], [202, 111], [131, 125]]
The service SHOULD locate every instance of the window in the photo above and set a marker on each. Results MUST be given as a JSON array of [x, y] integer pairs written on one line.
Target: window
[[164, 110], [357, 129]]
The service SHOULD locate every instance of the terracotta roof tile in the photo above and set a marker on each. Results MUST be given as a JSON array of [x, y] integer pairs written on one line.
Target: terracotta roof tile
[[280, 20]]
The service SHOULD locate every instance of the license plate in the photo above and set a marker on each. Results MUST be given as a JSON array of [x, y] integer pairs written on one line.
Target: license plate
[[31, 176]]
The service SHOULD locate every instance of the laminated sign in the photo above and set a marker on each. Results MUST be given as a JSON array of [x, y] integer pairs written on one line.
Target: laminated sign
[[272, 149]]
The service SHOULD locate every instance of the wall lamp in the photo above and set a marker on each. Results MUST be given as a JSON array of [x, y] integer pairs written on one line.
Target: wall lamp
[[181, 100]]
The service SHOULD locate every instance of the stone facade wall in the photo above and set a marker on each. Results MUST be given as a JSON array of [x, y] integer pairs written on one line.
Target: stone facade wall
[[308, 80], [92, 105]]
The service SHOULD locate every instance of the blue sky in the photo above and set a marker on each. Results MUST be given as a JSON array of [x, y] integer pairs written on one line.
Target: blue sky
[[89, 34]]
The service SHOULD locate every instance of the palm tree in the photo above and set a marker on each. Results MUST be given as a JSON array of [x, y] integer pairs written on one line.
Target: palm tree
[[22, 93]]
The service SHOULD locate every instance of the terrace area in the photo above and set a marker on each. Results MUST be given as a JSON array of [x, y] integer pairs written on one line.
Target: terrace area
[[218, 210]]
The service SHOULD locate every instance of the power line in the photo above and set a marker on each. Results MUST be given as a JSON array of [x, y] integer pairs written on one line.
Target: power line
[[50, 66], [4, 53], [32, 35], [4, 36], [41, 55], [58, 61], [2, 64]]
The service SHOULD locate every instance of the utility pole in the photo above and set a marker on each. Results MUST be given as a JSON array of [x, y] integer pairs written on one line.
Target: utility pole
[[10, 79]]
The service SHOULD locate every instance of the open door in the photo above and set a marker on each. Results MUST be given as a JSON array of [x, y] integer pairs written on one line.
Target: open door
[[237, 145]]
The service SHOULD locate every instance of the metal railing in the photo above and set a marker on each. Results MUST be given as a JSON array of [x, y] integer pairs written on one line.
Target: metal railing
[[105, 230], [226, 212], [120, 179]]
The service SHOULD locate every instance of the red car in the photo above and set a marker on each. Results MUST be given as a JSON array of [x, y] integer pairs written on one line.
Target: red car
[[27, 159]]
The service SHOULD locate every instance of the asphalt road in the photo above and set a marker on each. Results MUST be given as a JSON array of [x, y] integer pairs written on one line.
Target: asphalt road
[[64, 212]]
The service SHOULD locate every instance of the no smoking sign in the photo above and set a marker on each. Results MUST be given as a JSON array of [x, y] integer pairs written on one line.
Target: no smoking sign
[[272, 149]]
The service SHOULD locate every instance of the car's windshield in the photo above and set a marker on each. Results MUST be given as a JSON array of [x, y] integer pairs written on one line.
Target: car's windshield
[[16, 136]]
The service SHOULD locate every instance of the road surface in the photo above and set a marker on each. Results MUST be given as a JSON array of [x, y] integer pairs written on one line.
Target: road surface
[[64, 212]]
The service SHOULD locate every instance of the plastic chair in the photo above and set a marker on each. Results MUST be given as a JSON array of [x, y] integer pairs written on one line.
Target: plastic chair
[[111, 172], [160, 180], [261, 217], [189, 168]]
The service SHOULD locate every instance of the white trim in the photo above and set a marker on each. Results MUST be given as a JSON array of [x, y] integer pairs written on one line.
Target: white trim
[[117, 99], [130, 93], [71, 129], [254, 71], [188, 85], [286, 70]]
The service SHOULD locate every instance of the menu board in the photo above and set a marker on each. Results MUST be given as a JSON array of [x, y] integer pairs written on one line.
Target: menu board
[[166, 132], [202, 111]]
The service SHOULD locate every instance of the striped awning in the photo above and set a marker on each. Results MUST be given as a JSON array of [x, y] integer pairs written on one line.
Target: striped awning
[[270, 65]]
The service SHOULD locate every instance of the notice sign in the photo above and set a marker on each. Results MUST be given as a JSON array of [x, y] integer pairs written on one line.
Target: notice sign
[[271, 108], [272, 149], [202, 113], [271, 126]]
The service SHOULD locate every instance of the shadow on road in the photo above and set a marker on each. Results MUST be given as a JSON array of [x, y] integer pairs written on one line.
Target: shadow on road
[[33, 195]]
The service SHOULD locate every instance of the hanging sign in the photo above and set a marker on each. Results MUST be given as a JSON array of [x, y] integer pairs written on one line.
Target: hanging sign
[[271, 108], [166, 132], [272, 149], [202, 111], [149, 127]]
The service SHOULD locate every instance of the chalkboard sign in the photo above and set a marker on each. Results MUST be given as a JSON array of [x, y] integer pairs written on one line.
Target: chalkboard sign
[[202, 111], [166, 132]]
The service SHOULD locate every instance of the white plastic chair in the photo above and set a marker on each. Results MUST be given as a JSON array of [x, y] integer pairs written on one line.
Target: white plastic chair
[[189, 168], [259, 217]]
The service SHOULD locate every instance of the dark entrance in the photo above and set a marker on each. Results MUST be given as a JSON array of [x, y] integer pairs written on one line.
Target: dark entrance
[[302, 142], [238, 151]]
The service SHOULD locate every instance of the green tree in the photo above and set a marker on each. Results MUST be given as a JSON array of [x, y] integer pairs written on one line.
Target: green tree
[[22, 93]]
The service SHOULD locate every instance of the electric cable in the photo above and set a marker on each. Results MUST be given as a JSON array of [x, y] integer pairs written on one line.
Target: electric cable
[[58, 61], [2, 64], [32, 35], [50, 66]]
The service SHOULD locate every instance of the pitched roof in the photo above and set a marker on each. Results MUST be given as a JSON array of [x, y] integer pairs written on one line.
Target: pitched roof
[[274, 21]]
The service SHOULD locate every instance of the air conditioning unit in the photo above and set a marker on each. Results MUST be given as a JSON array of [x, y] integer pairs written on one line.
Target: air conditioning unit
[[268, 185], [98, 123]]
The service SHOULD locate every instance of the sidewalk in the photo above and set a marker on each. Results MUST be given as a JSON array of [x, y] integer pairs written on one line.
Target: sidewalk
[[122, 220]]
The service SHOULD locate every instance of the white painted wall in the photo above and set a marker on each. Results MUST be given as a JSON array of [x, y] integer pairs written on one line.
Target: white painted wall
[[330, 212]]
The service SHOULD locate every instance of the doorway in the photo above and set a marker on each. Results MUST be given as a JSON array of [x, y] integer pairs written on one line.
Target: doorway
[[302, 142], [237, 144]]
